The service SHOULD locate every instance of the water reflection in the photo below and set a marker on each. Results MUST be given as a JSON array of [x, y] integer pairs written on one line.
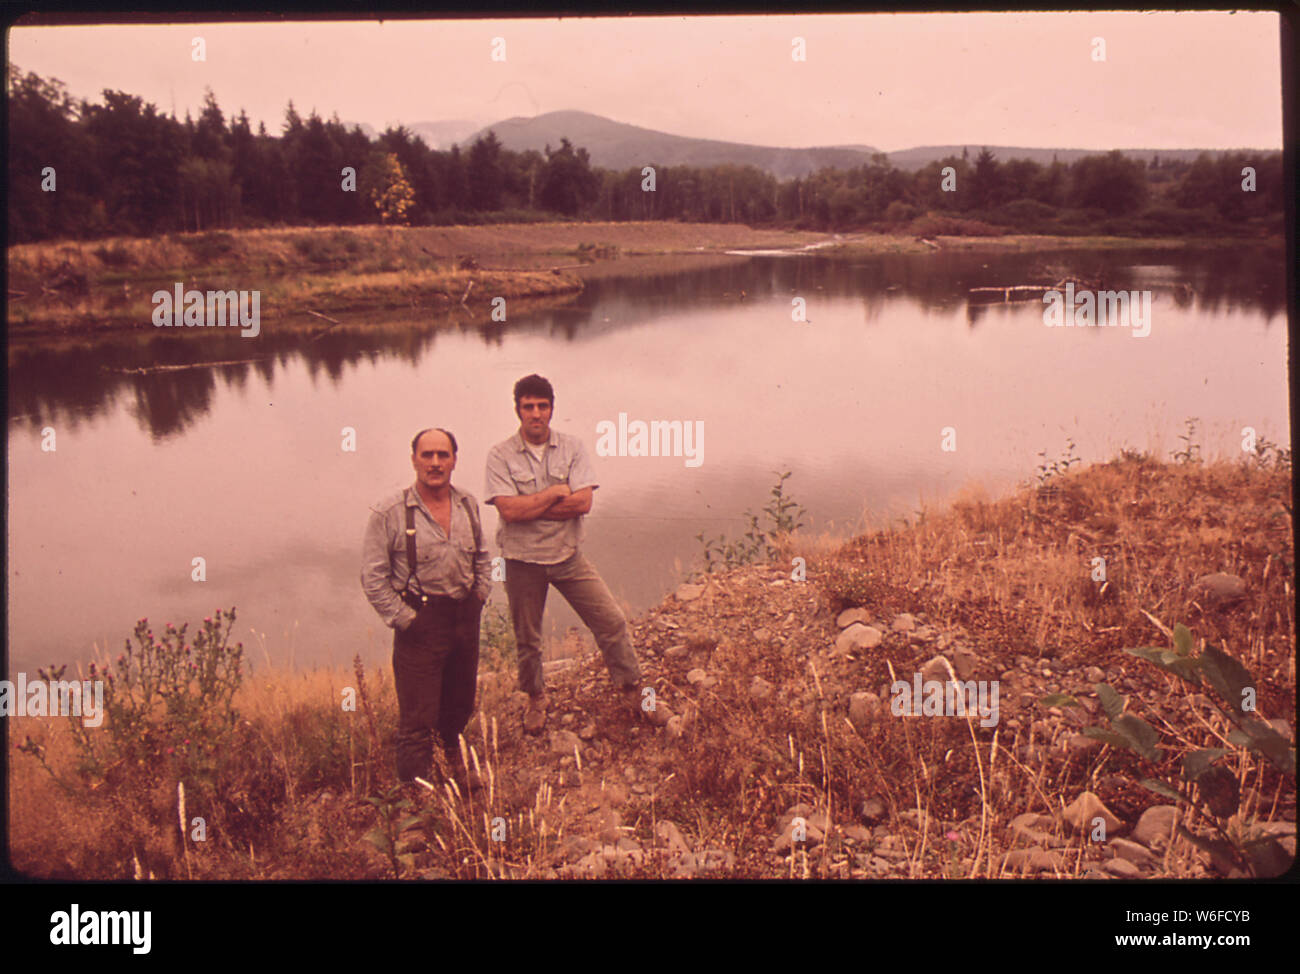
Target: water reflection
[[241, 463], [67, 385]]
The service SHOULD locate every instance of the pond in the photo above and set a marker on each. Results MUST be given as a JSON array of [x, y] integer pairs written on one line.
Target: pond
[[898, 389]]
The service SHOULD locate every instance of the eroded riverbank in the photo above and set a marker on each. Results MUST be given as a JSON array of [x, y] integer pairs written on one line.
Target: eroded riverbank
[[447, 273]]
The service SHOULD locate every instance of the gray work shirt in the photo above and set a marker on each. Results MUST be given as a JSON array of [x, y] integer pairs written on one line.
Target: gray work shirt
[[513, 471], [446, 565]]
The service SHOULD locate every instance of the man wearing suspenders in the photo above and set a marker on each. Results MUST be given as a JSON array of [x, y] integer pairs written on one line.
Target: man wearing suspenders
[[434, 607]]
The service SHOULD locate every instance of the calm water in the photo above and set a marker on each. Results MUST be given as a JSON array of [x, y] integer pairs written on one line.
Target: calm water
[[243, 465]]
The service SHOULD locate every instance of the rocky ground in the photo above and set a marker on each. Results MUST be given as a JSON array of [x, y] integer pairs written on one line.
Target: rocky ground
[[710, 786]]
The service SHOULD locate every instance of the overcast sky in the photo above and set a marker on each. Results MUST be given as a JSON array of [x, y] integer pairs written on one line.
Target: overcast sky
[[1170, 80]]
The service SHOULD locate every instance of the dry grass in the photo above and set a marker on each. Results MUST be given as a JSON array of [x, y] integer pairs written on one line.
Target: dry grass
[[83, 286], [80, 286], [1013, 574], [1017, 575]]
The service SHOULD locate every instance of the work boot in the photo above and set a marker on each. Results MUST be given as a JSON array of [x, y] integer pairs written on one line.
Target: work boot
[[535, 714], [629, 701]]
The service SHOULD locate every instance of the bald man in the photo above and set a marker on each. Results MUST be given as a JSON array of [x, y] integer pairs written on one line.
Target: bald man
[[435, 609]]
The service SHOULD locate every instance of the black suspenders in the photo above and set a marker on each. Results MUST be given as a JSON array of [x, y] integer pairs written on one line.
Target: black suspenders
[[410, 546], [410, 556]]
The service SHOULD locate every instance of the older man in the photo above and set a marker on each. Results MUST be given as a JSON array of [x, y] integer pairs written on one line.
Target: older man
[[427, 573], [542, 483]]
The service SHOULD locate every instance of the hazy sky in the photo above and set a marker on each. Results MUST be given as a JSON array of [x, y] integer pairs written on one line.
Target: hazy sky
[[1170, 80]]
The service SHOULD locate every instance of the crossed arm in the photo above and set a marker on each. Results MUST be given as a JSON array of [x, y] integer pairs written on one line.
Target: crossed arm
[[555, 503]]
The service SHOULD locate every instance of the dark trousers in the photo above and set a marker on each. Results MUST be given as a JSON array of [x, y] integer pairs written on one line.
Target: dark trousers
[[435, 670]]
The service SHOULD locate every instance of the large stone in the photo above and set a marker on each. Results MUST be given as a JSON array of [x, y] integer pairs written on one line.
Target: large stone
[[688, 865], [935, 669], [1083, 812], [1030, 829], [857, 636], [1219, 589], [904, 622], [1156, 826], [697, 676], [564, 741], [1034, 860], [1132, 851], [1081, 742], [1122, 868], [812, 835], [660, 715], [964, 661], [760, 689], [574, 847], [863, 707], [689, 593], [850, 616], [873, 810], [671, 836]]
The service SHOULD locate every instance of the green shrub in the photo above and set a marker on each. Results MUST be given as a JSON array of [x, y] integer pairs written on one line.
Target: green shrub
[[783, 516], [1205, 785]]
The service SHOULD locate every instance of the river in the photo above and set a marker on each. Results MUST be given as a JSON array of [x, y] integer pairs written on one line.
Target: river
[[897, 390]]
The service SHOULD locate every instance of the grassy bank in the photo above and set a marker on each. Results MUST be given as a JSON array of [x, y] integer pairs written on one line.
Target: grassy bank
[[78, 287], [775, 718]]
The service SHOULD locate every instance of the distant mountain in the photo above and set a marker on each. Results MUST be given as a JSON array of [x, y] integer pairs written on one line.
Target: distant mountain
[[436, 135], [443, 135], [616, 145]]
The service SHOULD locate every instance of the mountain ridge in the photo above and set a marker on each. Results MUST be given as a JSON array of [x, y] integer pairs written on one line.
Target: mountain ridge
[[621, 145]]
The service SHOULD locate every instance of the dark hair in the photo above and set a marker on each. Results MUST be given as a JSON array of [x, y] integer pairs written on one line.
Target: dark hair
[[433, 429], [535, 386]]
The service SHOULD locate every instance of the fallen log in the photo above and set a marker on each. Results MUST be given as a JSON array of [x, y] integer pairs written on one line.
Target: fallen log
[[1017, 292], [146, 370]]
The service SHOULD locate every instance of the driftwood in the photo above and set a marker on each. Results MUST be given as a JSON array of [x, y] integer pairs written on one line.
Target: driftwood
[[1013, 292], [469, 287], [146, 370]]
